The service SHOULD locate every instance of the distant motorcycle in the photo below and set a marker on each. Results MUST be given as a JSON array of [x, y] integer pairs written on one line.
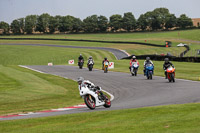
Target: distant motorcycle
[[90, 65], [93, 98], [149, 71], [134, 68], [80, 64], [171, 74], [106, 63]]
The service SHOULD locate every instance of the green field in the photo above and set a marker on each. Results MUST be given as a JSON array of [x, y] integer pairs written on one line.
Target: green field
[[23, 90], [19, 87], [161, 119], [191, 37]]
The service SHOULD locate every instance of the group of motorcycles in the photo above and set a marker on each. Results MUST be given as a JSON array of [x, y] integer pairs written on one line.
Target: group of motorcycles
[[91, 64], [149, 69], [94, 97]]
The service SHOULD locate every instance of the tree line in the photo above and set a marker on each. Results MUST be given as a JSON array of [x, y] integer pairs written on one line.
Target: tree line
[[158, 19]]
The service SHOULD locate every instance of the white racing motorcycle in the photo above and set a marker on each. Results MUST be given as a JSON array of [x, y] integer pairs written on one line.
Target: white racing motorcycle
[[93, 97], [134, 68]]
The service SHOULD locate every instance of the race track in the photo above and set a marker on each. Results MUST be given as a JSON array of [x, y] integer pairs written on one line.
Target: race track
[[128, 91]]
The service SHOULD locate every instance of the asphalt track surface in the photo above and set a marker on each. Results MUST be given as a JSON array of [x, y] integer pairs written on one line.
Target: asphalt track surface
[[128, 91]]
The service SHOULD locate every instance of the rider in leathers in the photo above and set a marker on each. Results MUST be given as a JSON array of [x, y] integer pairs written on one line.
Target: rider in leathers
[[147, 61], [105, 60], [133, 59], [90, 60], [167, 64], [80, 58], [91, 86]]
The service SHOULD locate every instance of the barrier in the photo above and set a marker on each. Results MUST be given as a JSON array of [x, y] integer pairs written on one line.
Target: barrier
[[81, 40], [171, 58]]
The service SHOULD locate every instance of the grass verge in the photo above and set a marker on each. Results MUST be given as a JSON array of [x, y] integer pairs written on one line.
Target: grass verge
[[23, 90], [162, 119]]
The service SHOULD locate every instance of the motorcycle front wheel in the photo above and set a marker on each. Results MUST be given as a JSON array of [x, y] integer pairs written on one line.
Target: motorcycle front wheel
[[172, 77], [107, 102], [90, 102], [105, 69]]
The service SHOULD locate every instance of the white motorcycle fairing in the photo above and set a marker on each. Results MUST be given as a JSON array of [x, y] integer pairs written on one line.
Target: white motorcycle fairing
[[84, 90]]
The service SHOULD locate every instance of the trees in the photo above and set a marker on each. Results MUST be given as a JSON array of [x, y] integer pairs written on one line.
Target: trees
[[15, 26], [54, 23], [30, 23], [170, 21], [116, 22], [102, 23], [90, 24], [21, 24], [183, 21], [142, 22], [43, 23], [5, 27], [77, 25], [158, 19], [66, 23], [128, 21]]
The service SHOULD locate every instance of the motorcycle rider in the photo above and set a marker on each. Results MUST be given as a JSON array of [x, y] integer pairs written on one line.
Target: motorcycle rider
[[80, 58], [147, 61], [91, 86], [90, 60], [133, 59], [167, 64], [105, 60]]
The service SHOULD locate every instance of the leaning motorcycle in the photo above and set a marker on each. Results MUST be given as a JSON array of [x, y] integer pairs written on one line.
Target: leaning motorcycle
[[106, 63], [90, 65], [134, 68], [80, 64], [149, 71], [171, 74], [93, 98]]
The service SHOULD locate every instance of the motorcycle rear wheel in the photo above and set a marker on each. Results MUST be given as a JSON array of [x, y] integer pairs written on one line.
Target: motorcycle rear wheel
[[90, 102]]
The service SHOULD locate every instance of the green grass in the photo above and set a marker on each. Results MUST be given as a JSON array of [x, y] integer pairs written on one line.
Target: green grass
[[41, 55], [23, 90], [182, 36], [161, 119], [130, 48]]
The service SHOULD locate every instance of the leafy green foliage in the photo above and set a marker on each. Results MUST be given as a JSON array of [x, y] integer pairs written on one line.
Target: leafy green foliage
[[30, 23], [183, 21], [5, 27], [116, 22], [43, 23], [129, 21]]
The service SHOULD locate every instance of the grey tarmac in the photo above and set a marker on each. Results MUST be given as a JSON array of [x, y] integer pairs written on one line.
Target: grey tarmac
[[129, 92]]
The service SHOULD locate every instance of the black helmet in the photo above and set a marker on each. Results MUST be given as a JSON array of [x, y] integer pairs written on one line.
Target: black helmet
[[166, 60], [148, 58], [105, 58]]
